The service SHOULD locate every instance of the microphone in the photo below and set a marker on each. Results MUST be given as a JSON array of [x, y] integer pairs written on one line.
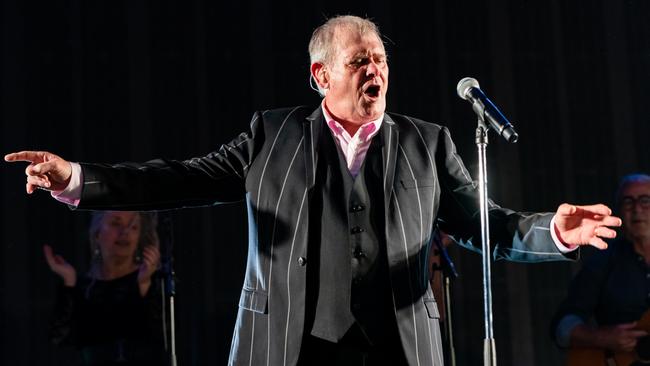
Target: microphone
[[469, 90]]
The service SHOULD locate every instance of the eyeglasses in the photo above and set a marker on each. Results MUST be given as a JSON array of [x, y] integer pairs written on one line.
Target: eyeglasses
[[628, 202]]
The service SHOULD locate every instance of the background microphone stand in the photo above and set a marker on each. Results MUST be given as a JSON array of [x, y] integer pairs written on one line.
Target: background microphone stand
[[167, 282], [448, 272]]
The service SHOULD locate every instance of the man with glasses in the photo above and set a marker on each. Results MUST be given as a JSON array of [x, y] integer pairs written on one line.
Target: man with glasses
[[608, 301]]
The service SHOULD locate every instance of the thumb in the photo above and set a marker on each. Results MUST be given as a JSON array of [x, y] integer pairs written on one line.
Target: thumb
[[566, 209], [46, 167]]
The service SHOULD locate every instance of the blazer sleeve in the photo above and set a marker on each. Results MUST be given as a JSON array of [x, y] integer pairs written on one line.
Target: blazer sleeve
[[515, 236], [218, 177]]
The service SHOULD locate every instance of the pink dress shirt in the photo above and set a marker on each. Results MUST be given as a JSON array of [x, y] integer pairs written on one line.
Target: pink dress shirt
[[354, 148]]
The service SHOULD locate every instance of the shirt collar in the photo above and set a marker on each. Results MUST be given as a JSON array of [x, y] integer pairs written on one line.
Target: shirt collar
[[365, 132]]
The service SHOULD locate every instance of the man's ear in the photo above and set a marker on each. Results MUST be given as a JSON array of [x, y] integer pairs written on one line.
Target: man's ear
[[320, 74]]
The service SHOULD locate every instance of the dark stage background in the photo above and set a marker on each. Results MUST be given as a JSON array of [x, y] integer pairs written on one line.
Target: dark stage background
[[124, 80]]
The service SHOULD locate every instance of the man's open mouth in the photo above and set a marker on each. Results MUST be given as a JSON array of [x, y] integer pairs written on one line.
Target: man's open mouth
[[372, 91]]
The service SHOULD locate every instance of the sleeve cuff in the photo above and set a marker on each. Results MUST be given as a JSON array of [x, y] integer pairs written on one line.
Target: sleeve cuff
[[563, 248], [71, 195]]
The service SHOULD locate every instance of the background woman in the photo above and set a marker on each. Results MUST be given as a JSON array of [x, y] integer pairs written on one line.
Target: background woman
[[112, 314]]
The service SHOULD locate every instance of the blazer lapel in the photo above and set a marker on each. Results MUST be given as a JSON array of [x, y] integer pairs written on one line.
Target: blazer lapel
[[312, 128], [390, 142]]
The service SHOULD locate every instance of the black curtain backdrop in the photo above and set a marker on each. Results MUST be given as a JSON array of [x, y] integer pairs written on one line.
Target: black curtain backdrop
[[119, 80]]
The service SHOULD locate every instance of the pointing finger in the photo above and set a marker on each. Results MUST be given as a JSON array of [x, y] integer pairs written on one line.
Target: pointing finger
[[25, 156]]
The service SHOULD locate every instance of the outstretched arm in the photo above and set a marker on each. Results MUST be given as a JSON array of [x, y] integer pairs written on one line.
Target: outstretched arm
[[218, 177]]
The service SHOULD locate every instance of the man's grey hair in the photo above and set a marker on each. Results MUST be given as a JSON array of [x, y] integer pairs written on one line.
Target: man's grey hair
[[322, 46]]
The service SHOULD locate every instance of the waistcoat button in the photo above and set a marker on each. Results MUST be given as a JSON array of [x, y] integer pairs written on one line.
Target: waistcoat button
[[357, 208]]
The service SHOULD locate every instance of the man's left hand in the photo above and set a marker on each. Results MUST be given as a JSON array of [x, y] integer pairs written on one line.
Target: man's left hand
[[585, 225]]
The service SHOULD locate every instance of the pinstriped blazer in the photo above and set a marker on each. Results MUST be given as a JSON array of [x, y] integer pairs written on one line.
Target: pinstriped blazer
[[272, 167]]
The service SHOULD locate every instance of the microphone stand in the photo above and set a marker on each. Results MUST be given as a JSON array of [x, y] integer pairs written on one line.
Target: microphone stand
[[489, 345], [168, 287], [468, 89], [448, 322], [448, 270]]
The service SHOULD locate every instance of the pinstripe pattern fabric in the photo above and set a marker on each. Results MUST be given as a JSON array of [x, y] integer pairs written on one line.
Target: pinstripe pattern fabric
[[272, 167]]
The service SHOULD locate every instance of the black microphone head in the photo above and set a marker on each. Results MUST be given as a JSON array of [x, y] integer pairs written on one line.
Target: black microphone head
[[464, 85]]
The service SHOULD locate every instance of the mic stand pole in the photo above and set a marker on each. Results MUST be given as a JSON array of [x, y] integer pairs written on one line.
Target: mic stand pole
[[448, 322], [489, 346], [169, 289]]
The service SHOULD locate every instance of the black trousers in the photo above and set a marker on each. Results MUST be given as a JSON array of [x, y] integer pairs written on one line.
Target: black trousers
[[353, 349]]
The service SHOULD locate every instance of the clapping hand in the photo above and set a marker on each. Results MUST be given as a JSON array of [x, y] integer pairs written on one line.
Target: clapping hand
[[149, 265], [59, 266]]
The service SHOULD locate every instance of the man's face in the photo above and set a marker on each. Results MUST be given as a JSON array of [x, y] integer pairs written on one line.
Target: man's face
[[357, 78], [635, 211]]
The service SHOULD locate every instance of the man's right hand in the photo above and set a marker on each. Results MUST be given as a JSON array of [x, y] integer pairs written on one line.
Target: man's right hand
[[45, 171]]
